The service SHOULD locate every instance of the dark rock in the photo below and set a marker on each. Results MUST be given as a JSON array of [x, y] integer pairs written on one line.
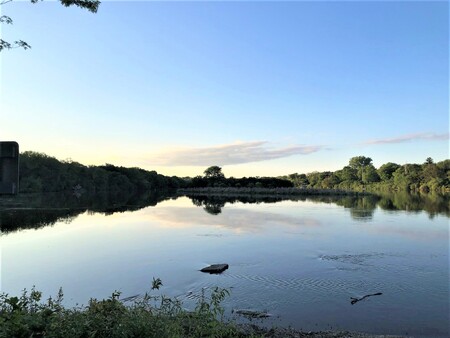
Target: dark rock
[[215, 268]]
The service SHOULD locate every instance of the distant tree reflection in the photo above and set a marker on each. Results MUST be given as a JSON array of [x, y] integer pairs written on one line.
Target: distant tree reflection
[[33, 211], [212, 205], [361, 208]]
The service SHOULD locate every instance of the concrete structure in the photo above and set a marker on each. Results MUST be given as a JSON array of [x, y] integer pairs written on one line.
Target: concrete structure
[[9, 168]]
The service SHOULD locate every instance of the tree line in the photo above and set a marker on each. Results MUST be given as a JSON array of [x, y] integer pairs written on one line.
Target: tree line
[[360, 174], [214, 177], [42, 173]]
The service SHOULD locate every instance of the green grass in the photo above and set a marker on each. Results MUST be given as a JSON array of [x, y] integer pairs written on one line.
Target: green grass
[[151, 316]]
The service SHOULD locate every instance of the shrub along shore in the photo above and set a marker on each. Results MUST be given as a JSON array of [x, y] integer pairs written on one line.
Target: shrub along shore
[[150, 316]]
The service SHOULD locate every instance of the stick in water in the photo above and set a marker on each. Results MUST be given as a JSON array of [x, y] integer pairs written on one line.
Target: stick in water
[[356, 300]]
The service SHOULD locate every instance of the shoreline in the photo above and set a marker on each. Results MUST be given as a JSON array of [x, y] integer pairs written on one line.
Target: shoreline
[[231, 191], [251, 330]]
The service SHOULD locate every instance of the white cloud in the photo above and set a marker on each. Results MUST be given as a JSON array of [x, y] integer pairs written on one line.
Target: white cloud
[[235, 153], [410, 137]]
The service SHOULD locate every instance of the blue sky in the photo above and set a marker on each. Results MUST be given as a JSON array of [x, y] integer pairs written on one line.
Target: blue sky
[[259, 88]]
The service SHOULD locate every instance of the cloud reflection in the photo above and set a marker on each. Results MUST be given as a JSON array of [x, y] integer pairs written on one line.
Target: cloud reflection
[[237, 220]]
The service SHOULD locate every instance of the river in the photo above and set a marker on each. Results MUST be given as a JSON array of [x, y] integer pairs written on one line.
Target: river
[[301, 261]]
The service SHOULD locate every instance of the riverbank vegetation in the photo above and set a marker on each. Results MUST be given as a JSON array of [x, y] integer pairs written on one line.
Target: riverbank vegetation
[[42, 173], [214, 178], [360, 174], [151, 316]]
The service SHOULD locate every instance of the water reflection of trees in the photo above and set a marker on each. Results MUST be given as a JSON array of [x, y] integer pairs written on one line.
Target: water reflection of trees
[[33, 211], [213, 204], [433, 204], [361, 207]]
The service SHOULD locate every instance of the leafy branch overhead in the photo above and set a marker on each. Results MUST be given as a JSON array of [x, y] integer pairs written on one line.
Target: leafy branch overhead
[[90, 5]]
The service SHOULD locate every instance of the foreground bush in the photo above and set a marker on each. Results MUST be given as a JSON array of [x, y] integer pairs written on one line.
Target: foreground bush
[[152, 316]]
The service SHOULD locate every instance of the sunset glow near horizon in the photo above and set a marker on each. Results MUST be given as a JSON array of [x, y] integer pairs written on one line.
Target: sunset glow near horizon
[[258, 88]]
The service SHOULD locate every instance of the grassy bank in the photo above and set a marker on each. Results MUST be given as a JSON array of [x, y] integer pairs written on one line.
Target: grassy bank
[[151, 316]]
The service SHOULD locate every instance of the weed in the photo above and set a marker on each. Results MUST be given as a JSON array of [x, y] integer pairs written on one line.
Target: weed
[[150, 316]]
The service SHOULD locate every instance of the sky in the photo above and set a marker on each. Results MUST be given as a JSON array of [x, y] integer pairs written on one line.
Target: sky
[[259, 88]]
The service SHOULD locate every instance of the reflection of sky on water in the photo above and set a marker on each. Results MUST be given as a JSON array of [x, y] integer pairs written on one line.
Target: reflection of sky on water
[[413, 228], [287, 217], [296, 252], [236, 220]]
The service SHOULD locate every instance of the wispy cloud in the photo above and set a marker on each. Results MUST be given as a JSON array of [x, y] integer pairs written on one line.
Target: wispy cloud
[[410, 137], [235, 153]]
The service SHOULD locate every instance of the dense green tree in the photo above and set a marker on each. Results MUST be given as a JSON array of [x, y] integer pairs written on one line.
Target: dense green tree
[[299, 180], [314, 178], [386, 170], [361, 174], [347, 174], [444, 165], [358, 163], [430, 171], [330, 181], [370, 174], [42, 173], [199, 182], [214, 172], [407, 176]]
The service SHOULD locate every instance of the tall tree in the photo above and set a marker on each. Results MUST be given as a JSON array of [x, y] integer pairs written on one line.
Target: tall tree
[[358, 163], [214, 172]]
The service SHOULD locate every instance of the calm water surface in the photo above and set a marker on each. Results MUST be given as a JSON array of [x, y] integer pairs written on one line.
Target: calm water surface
[[301, 261]]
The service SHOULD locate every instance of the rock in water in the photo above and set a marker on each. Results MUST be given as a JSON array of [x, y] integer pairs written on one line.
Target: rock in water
[[215, 268]]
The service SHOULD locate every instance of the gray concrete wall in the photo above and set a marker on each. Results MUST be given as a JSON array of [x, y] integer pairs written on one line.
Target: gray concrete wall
[[9, 167]]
